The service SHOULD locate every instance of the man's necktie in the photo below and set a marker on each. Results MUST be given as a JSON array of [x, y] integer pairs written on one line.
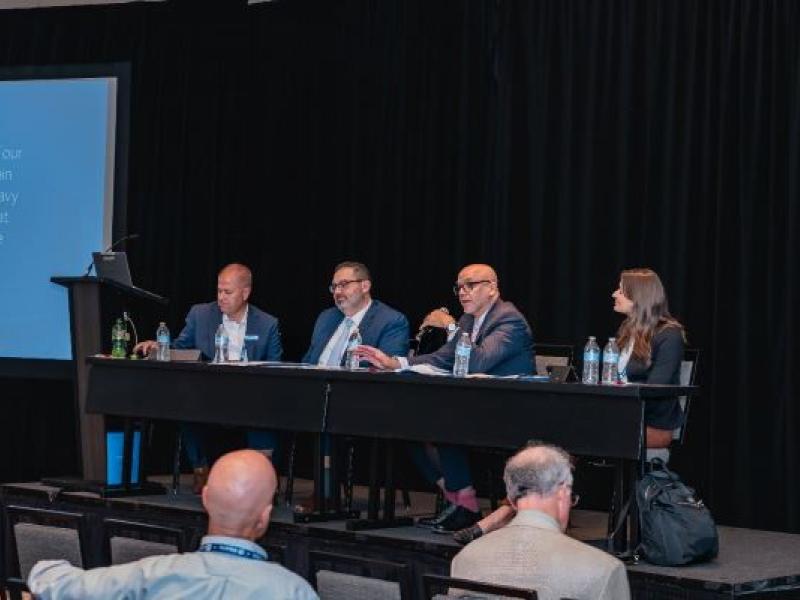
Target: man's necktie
[[335, 358]]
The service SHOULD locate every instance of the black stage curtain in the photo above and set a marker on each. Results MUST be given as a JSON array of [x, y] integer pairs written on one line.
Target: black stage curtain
[[559, 140]]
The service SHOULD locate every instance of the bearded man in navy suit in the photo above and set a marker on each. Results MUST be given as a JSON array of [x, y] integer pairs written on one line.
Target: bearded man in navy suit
[[380, 325]]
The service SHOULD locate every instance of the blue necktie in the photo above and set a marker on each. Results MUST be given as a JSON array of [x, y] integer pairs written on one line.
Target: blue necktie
[[335, 358]]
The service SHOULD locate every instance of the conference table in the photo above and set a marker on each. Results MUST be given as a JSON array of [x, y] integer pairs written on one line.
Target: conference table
[[604, 421]]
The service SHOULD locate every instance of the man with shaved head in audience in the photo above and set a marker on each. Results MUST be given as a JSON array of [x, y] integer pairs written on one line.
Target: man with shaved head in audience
[[502, 344], [532, 551], [228, 564]]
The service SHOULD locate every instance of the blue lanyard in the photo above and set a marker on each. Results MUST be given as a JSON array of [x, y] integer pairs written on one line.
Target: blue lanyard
[[234, 550]]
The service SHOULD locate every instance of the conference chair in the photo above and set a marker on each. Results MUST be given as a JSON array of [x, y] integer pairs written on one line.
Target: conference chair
[[438, 587], [549, 355], [688, 376], [41, 534], [345, 577], [128, 541]]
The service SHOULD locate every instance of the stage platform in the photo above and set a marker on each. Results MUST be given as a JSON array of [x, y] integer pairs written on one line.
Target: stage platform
[[752, 564]]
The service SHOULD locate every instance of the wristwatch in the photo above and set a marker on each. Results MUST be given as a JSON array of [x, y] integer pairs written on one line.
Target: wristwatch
[[451, 329]]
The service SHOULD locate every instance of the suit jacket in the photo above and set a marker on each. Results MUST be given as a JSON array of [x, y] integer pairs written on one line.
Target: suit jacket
[[382, 327], [504, 345], [204, 319], [531, 552]]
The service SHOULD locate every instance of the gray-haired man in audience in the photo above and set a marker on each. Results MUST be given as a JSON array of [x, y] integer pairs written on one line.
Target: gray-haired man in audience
[[228, 564], [532, 551]]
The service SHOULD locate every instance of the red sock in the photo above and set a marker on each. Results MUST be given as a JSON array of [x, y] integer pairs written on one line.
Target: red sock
[[467, 499]]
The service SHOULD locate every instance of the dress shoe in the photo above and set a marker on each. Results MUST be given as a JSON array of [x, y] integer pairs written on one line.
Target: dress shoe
[[431, 522], [199, 479], [465, 536], [460, 518]]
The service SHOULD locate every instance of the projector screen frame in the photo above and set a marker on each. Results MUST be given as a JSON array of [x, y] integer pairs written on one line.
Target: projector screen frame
[[64, 369]]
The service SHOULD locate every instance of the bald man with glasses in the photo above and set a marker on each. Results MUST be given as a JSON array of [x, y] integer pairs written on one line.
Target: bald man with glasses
[[502, 344]]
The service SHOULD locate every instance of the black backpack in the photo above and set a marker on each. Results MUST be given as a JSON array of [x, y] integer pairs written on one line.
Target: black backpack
[[676, 526]]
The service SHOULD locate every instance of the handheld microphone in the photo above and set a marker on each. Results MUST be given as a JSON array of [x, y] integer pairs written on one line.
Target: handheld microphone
[[130, 236]]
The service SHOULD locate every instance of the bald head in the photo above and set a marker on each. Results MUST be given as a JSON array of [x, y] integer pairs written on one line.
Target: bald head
[[234, 284], [240, 273], [477, 288], [238, 495]]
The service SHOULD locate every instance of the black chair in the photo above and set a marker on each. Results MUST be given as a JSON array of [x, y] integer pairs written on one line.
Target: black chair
[[345, 577], [128, 541], [547, 355], [438, 586], [688, 376], [35, 534]]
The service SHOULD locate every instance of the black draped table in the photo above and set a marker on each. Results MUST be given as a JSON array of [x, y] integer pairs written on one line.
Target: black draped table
[[595, 420]]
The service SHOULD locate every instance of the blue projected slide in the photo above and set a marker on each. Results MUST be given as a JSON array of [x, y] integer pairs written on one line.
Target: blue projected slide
[[56, 182]]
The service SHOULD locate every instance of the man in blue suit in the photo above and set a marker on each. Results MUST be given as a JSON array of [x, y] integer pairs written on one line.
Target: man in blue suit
[[502, 344], [380, 325], [246, 326]]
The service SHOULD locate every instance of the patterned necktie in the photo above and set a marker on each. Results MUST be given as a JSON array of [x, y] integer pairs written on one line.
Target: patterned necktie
[[335, 357]]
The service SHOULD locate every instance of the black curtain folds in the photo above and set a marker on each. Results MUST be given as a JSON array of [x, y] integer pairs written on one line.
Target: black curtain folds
[[559, 140]]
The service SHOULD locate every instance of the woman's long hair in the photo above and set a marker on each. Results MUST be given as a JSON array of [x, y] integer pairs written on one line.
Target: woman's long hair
[[650, 313]]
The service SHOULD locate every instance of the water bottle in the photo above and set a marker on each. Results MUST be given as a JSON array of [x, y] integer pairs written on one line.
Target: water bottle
[[591, 362], [162, 338], [118, 340], [463, 350], [610, 362], [353, 342], [220, 345]]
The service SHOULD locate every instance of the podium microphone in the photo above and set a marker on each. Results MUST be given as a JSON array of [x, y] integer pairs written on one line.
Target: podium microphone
[[130, 236]]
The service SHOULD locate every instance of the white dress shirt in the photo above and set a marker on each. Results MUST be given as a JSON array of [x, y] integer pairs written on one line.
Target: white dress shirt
[[342, 329], [236, 331]]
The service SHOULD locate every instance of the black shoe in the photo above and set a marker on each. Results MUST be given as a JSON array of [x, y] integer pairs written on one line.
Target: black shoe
[[458, 519], [465, 536], [431, 522]]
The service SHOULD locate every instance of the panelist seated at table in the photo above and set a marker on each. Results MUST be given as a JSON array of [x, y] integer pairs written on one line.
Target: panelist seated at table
[[240, 320], [652, 345], [379, 325], [502, 345]]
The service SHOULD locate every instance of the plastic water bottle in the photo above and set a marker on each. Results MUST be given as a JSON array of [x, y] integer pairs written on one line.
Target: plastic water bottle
[[162, 338], [463, 350], [610, 362], [220, 345], [591, 362], [353, 342], [118, 340]]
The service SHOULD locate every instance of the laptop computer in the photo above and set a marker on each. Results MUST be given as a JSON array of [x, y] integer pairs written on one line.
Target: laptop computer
[[113, 266]]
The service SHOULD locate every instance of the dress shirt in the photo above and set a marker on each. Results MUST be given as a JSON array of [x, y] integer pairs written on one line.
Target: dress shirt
[[236, 331], [207, 575], [340, 331]]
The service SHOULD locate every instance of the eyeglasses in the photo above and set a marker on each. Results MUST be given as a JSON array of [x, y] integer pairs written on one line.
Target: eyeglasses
[[468, 286], [340, 285], [574, 499]]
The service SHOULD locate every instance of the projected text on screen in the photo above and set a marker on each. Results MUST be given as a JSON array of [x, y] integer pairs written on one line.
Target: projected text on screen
[[56, 170]]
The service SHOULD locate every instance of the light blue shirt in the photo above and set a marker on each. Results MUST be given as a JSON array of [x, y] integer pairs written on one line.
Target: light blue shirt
[[195, 575]]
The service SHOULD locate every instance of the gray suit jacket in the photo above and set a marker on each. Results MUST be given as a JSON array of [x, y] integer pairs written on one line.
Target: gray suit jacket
[[531, 552], [504, 345]]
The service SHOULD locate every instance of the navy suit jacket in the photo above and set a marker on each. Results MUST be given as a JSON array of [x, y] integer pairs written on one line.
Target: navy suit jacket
[[204, 319], [382, 327], [504, 345]]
